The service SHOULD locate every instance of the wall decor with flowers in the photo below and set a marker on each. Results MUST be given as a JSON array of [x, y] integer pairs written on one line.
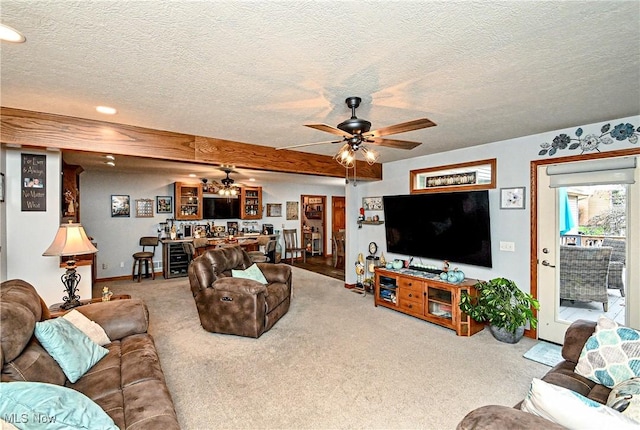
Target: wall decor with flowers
[[591, 142]]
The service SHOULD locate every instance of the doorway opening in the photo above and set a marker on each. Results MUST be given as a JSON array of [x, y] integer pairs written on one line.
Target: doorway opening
[[594, 217]]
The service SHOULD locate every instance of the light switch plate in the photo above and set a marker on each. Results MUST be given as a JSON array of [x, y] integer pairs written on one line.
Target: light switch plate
[[507, 246]]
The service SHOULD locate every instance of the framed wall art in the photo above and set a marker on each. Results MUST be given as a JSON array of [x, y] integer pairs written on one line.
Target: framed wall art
[[372, 203], [120, 205], [274, 209], [144, 208], [512, 198], [473, 175], [164, 204], [292, 210]]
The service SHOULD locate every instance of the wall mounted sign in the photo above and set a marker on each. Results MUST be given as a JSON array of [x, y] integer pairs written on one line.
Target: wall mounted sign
[[34, 190]]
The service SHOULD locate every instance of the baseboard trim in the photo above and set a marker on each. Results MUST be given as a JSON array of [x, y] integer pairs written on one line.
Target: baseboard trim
[[121, 278]]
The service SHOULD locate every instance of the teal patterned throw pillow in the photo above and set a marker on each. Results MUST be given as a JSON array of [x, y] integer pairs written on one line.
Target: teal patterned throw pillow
[[611, 355]]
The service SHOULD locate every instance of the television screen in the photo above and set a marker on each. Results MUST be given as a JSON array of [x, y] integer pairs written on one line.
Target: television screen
[[442, 226], [220, 208]]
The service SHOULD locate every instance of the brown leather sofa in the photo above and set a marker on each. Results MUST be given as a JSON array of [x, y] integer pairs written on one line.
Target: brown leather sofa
[[127, 383], [238, 306], [504, 417]]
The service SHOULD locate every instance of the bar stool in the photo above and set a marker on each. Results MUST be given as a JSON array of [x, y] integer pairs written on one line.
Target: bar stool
[[145, 257]]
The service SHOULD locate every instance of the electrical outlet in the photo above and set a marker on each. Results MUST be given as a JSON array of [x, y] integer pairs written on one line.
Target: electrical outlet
[[105, 266], [507, 246], [122, 264]]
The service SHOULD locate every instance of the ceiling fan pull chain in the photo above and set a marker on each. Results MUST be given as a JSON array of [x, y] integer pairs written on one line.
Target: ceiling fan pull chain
[[355, 177]]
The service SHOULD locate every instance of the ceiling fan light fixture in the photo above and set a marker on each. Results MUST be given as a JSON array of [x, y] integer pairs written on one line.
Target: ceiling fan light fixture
[[346, 156], [370, 156]]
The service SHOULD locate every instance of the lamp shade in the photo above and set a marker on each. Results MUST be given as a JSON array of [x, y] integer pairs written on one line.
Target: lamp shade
[[70, 239]]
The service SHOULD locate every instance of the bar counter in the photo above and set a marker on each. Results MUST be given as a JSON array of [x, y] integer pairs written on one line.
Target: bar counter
[[175, 261]]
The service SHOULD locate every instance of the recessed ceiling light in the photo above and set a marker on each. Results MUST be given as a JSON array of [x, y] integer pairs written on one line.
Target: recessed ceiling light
[[106, 110], [9, 34], [192, 175], [252, 179]]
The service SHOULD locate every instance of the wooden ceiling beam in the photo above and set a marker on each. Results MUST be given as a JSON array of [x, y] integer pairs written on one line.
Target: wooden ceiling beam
[[43, 130]]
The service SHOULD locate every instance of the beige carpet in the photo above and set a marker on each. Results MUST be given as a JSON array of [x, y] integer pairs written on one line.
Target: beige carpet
[[333, 362]]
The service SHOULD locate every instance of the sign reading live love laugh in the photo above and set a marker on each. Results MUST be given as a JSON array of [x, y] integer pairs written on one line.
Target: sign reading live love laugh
[[34, 189]]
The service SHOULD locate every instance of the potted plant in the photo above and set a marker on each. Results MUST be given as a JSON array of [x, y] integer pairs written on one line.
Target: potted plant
[[503, 305]]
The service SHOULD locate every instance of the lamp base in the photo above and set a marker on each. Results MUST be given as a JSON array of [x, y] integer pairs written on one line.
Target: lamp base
[[71, 304], [71, 279]]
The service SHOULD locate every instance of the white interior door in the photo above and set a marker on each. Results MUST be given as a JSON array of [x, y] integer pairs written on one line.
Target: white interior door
[[550, 326]]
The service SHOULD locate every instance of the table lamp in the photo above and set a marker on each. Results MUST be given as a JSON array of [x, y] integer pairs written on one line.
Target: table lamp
[[70, 240]]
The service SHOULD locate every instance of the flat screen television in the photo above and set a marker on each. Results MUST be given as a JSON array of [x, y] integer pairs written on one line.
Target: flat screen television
[[220, 208], [442, 226]]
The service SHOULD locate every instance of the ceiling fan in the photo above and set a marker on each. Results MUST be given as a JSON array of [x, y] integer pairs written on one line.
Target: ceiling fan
[[225, 186], [355, 132]]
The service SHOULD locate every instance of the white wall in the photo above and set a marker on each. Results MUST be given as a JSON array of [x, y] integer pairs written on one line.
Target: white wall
[[513, 167], [117, 238], [29, 234]]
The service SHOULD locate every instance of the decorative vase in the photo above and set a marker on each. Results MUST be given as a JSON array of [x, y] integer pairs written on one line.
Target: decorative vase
[[504, 335], [397, 264]]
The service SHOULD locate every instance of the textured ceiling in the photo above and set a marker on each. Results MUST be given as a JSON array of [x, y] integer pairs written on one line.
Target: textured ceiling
[[255, 72]]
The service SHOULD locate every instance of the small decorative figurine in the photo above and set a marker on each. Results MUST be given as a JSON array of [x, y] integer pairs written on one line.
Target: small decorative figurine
[[106, 294]]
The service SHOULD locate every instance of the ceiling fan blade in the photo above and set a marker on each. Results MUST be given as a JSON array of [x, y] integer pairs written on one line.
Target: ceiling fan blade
[[300, 145], [394, 143], [403, 127], [329, 129]]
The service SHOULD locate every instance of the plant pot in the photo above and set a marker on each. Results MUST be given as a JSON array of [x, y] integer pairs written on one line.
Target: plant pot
[[503, 335]]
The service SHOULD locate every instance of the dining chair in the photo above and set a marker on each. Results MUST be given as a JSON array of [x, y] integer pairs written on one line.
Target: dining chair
[[338, 240], [200, 245], [291, 244], [189, 250]]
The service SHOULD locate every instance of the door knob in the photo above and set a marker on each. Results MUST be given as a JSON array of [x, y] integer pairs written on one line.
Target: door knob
[[546, 263], [545, 250]]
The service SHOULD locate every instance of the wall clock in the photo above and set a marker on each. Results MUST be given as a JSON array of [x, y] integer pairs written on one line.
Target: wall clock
[[373, 248]]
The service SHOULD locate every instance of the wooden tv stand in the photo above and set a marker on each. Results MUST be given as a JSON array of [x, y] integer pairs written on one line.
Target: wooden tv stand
[[420, 295]]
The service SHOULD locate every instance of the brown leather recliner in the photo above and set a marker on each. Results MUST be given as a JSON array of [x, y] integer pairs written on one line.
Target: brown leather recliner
[[234, 305]]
